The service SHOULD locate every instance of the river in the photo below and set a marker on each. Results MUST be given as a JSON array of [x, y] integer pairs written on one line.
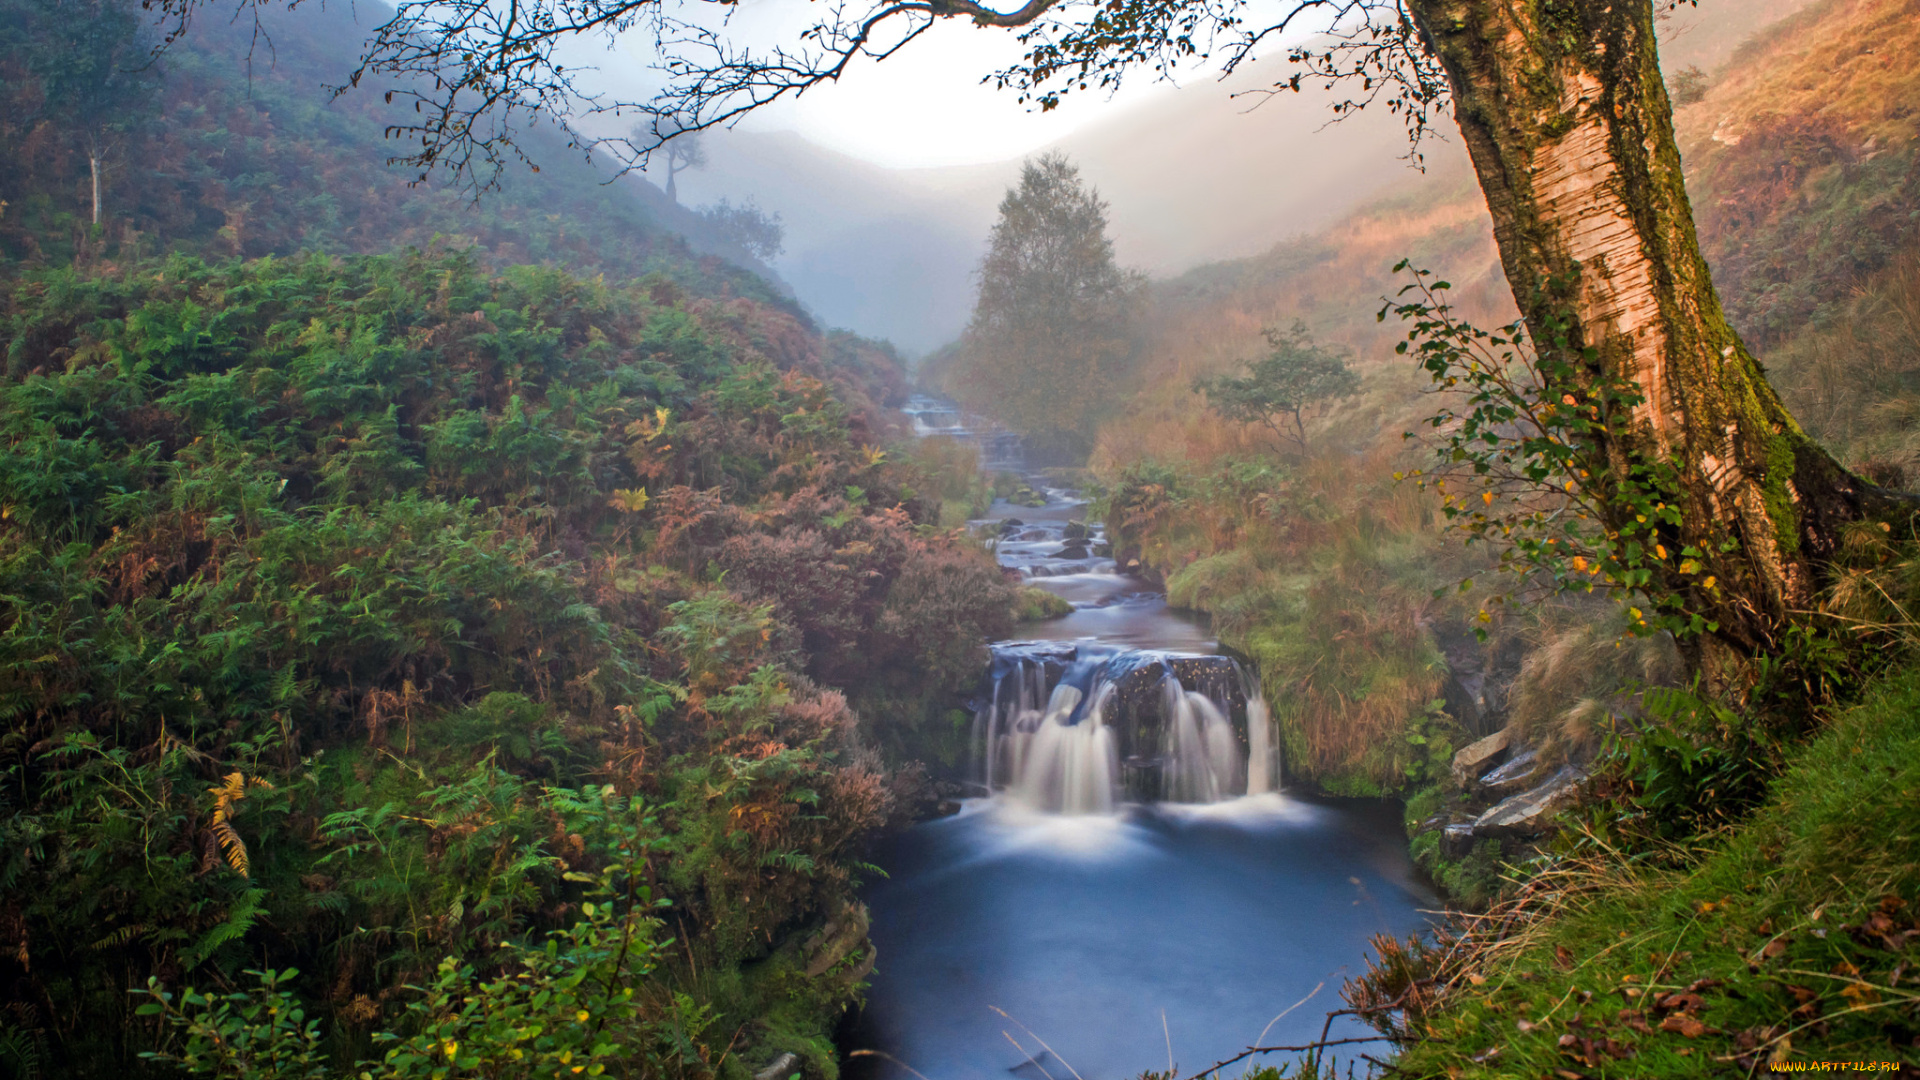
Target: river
[[1121, 902]]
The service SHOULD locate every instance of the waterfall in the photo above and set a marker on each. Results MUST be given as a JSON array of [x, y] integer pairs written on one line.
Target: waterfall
[[1263, 772], [1077, 728]]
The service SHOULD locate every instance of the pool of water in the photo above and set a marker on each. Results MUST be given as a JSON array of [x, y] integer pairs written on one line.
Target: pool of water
[[1059, 946], [1116, 941]]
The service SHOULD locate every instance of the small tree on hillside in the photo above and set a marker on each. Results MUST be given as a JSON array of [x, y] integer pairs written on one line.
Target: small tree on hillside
[[764, 235], [1297, 375], [1053, 328], [683, 153], [96, 76]]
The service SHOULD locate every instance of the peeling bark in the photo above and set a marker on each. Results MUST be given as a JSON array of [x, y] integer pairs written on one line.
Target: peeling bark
[[1564, 112]]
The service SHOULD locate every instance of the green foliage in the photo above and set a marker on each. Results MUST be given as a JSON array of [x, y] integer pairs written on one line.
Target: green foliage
[[577, 1006], [1786, 940], [1296, 375], [1323, 579], [1693, 766], [351, 610], [1035, 604], [1688, 85], [1529, 446]]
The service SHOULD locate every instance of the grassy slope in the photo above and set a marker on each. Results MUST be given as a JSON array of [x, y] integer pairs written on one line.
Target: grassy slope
[[1805, 922], [1804, 163]]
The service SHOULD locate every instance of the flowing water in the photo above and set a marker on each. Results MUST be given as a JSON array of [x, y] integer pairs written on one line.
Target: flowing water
[[1136, 889]]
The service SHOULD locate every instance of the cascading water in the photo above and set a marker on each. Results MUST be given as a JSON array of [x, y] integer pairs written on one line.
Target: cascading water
[[1079, 728], [1115, 895]]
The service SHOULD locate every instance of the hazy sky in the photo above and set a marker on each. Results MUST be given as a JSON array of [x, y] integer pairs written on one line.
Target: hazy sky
[[925, 106]]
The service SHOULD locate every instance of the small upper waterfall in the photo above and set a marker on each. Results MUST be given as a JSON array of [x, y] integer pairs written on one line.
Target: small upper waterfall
[[1127, 702], [1078, 727]]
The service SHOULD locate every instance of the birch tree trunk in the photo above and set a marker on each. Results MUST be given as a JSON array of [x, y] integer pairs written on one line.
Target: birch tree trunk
[[93, 163], [1563, 110]]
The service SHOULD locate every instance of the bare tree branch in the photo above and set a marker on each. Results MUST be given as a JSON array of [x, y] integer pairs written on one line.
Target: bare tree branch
[[479, 73]]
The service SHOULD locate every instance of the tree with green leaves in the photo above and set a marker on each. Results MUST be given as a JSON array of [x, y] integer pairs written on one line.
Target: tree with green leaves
[[96, 76], [1053, 328], [1296, 375]]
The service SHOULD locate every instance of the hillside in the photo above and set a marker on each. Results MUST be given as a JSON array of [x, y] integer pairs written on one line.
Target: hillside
[[442, 629], [359, 612], [1804, 162], [230, 147]]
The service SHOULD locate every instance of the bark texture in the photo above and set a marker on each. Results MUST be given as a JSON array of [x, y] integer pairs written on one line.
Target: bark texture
[[1562, 107]]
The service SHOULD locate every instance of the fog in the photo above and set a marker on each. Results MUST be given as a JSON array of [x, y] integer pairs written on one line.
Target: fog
[[1194, 174]]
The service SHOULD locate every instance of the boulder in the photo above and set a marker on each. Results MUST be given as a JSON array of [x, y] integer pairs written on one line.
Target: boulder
[[1530, 813], [1076, 530], [1456, 842], [781, 1067], [1071, 551], [1476, 758], [1520, 772]]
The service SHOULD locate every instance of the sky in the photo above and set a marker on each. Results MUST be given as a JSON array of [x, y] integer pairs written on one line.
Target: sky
[[925, 107]]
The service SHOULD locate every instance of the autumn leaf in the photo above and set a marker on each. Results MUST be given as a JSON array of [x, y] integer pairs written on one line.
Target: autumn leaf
[[1682, 1024]]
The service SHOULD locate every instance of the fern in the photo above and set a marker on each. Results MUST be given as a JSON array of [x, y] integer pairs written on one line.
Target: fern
[[226, 800], [240, 919]]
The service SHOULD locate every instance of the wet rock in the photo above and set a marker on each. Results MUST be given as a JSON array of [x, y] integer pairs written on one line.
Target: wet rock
[[842, 947], [1480, 676], [1012, 525], [781, 1067], [1071, 551], [1474, 759], [1531, 812], [1075, 530], [946, 808], [1520, 772], [1456, 841]]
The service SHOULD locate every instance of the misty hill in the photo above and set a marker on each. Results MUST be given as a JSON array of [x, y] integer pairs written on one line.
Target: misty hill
[[1194, 176], [234, 148]]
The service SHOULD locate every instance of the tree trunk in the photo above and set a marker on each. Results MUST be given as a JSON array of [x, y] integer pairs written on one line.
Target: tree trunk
[[1566, 117], [93, 163]]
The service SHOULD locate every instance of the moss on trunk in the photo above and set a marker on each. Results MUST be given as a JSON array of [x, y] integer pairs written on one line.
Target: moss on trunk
[[1566, 117]]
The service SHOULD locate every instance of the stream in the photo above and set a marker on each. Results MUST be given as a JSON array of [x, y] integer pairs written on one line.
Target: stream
[[1137, 892]]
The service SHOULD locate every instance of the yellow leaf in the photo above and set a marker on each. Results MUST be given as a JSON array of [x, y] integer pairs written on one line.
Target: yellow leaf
[[629, 500], [1487, 497], [1660, 550], [1711, 580]]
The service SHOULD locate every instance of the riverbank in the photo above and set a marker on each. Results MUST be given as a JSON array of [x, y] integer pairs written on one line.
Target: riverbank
[[1790, 937]]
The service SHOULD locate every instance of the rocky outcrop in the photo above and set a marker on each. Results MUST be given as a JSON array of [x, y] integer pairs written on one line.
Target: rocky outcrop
[[841, 947], [1475, 759], [1521, 771], [1531, 812]]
